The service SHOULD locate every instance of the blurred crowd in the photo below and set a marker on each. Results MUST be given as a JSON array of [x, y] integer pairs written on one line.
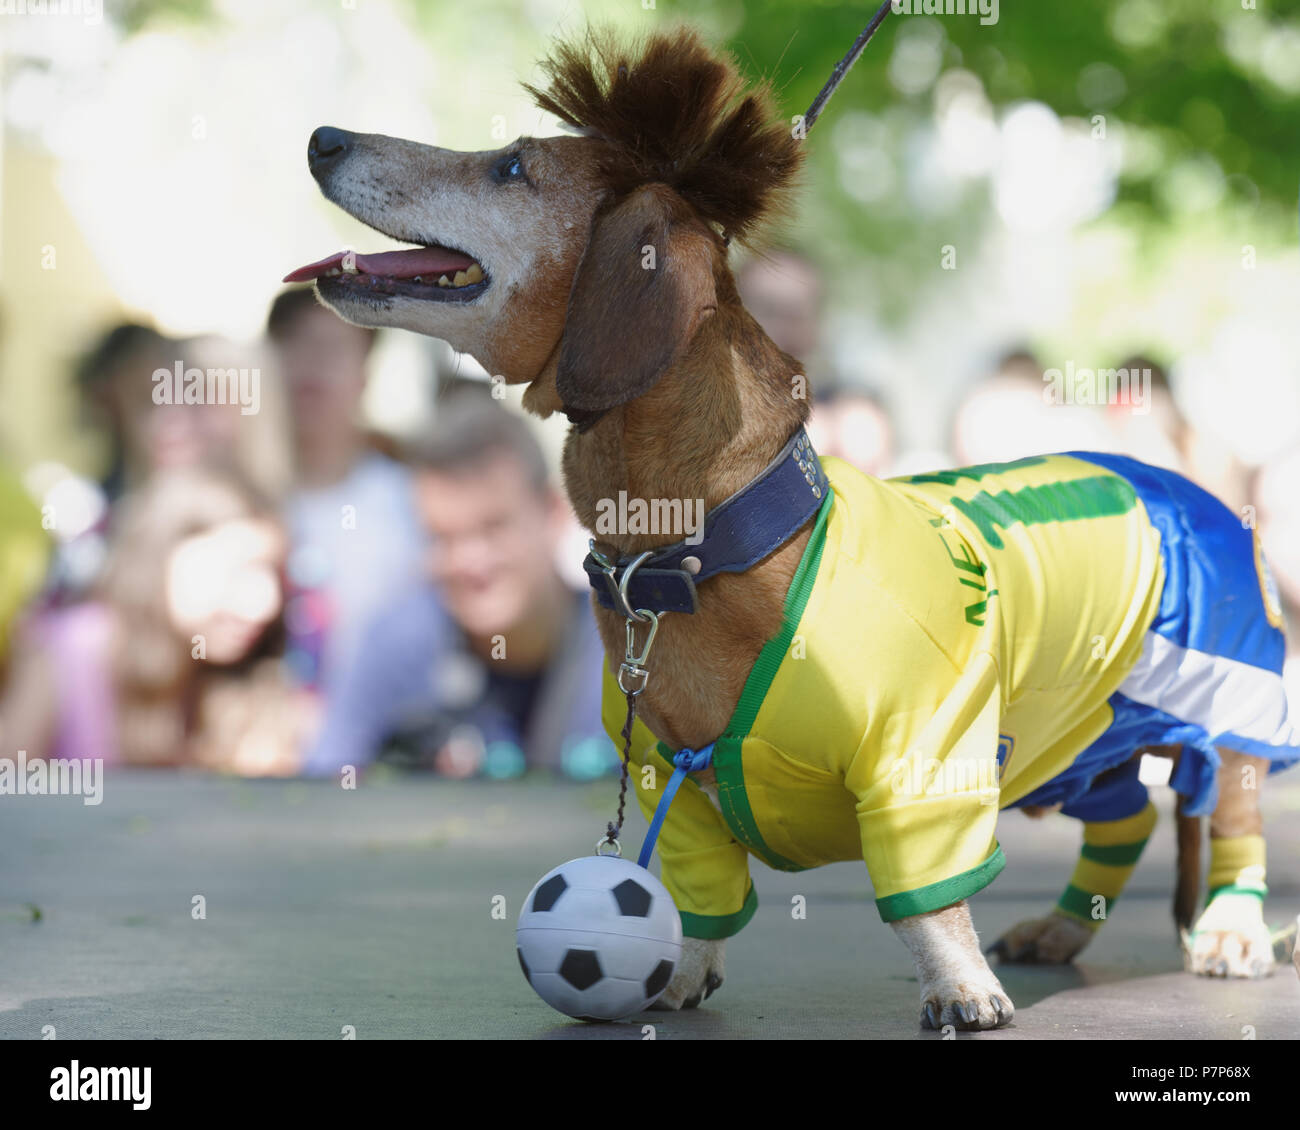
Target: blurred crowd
[[289, 593]]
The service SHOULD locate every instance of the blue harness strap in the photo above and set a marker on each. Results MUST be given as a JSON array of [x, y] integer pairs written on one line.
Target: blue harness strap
[[684, 761]]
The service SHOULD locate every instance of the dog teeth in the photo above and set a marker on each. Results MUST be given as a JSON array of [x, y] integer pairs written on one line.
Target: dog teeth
[[461, 279], [332, 272], [474, 274], [418, 278], [443, 280]]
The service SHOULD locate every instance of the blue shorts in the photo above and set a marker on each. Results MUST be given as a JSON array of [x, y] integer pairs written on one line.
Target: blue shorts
[[1210, 673]]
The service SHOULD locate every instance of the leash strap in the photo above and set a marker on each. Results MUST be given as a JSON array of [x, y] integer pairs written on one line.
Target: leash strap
[[684, 761]]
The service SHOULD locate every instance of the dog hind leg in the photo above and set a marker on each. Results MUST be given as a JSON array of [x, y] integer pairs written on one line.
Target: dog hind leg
[[1111, 850], [1231, 939]]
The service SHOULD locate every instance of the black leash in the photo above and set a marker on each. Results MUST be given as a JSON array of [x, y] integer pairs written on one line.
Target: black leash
[[845, 65]]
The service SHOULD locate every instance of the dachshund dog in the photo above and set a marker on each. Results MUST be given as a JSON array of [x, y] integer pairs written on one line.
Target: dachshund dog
[[594, 268]]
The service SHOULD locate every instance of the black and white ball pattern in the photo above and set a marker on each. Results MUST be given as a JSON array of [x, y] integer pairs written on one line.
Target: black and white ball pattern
[[599, 938]]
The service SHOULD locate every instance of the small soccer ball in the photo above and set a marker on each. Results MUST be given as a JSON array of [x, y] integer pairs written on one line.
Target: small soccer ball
[[599, 938]]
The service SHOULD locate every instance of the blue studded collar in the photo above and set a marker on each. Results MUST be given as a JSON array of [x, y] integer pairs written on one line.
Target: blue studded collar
[[738, 533]]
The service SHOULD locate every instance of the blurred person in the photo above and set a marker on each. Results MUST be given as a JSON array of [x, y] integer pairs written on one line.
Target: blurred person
[[175, 659], [1149, 425], [24, 551], [114, 380], [1010, 415], [854, 425], [354, 534], [783, 290], [1275, 497], [492, 663], [1164, 436], [122, 394], [1210, 461]]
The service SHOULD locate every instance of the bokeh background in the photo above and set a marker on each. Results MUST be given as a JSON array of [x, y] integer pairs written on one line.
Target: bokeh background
[[1067, 187]]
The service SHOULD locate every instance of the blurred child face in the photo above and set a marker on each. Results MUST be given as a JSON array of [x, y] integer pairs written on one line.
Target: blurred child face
[[494, 539], [162, 437], [855, 429], [156, 437], [323, 362], [224, 585]]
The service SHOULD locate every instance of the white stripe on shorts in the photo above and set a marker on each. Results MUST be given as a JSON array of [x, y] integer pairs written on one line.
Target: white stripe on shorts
[[1222, 695]]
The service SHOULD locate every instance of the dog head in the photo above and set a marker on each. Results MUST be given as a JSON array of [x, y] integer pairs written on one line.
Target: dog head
[[588, 261]]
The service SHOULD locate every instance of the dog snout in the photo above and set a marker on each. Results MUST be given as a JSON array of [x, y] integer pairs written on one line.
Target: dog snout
[[327, 147]]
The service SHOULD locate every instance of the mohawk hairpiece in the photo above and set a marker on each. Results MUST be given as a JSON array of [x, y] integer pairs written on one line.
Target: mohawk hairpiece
[[673, 111]]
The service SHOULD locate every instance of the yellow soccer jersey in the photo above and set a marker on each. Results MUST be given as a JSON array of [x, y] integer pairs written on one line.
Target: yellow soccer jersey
[[949, 645]]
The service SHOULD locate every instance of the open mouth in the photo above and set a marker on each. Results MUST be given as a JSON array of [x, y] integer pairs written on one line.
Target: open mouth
[[433, 273]]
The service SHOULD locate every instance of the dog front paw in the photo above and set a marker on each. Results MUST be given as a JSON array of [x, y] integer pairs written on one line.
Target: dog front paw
[[1053, 940], [969, 1005], [699, 973], [1230, 939]]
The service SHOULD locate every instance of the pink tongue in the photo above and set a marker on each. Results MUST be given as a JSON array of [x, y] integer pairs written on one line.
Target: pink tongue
[[433, 261]]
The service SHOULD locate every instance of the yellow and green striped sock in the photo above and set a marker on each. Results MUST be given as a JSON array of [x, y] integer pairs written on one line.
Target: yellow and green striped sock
[[1237, 866], [1111, 849], [1237, 889]]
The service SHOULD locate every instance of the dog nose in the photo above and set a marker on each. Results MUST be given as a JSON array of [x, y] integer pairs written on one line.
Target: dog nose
[[326, 147]]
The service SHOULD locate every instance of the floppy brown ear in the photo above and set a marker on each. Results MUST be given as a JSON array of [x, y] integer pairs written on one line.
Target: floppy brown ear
[[644, 285]]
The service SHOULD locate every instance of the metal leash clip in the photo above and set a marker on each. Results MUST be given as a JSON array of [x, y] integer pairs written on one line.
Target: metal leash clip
[[617, 586], [633, 665]]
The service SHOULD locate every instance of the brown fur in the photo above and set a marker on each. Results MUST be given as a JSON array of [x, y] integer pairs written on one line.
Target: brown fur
[[709, 425], [677, 391], [672, 111], [707, 398]]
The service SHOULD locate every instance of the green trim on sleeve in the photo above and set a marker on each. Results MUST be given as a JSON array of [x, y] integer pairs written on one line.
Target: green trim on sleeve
[[728, 762], [720, 925], [943, 893]]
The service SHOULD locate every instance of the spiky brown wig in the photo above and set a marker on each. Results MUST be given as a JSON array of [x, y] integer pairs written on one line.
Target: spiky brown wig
[[673, 111]]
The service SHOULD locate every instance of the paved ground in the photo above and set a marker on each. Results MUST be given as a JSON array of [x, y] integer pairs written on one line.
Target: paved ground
[[327, 908]]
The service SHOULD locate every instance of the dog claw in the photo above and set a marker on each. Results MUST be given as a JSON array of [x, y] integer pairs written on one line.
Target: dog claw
[[968, 1012], [693, 1002], [711, 983], [932, 1015]]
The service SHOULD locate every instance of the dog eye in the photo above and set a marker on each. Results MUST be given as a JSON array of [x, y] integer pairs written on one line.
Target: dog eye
[[510, 167]]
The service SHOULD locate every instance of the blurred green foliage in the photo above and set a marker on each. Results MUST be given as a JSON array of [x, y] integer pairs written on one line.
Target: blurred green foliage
[[1202, 85], [1195, 93]]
